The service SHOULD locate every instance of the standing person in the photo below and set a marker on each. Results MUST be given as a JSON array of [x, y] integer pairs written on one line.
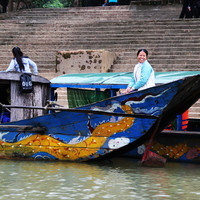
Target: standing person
[[21, 63], [196, 5], [110, 3], [4, 4], [143, 74], [187, 9]]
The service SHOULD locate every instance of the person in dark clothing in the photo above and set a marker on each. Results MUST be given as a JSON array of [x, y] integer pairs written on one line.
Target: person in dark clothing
[[187, 9], [4, 4], [196, 8]]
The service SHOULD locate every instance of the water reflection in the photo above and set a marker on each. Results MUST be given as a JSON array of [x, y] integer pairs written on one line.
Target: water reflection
[[115, 179]]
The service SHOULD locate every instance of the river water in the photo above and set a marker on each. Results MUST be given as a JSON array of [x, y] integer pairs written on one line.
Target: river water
[[118, 178]]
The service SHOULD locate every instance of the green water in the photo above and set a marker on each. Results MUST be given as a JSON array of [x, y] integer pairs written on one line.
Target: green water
[[119, 178]]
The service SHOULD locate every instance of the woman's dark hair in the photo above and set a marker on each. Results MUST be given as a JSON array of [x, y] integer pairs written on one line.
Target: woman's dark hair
[[144, 50], [18, 55]]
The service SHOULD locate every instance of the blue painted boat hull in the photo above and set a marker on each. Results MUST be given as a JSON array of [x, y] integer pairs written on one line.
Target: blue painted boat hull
[[175, 146], [78, 136]]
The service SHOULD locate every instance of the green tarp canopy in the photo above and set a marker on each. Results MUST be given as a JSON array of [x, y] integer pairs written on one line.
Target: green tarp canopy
[[109, 82], [112, 79]]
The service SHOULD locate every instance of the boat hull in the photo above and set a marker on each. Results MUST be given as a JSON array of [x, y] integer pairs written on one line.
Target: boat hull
[[79, 136], [174, 146]]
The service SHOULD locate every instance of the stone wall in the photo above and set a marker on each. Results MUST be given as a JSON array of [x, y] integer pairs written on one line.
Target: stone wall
[[84, 61]]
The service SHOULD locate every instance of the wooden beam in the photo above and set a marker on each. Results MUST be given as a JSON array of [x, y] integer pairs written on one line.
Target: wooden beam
[[22, 128], [180, 132], [138, 115]]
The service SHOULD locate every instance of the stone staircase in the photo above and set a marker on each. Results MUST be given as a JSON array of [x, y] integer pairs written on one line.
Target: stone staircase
[[173, 44]]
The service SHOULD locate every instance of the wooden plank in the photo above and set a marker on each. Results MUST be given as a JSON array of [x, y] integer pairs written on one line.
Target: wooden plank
[[14, 76], [139, 115], [38, 98], [22, 128], [15, 126], [15, 99], [180, 132]]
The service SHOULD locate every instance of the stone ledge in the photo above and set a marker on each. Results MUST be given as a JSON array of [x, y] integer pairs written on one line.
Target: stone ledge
[[146, 2], [84, 61]]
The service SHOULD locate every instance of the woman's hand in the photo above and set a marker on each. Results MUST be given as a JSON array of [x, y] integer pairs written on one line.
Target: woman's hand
[[128, 90]]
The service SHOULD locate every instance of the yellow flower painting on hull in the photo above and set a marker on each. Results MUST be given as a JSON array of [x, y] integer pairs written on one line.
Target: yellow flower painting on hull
[[176, 151]]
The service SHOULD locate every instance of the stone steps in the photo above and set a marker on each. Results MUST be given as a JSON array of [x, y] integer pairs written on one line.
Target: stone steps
[[185, 41], [99, 45], [180, 26], [111, 24], [114, 33], [158, 68], [158, 61], [195, 110], [98, 14], [109, 37], [130, 56], [46, 15], [173, 44]]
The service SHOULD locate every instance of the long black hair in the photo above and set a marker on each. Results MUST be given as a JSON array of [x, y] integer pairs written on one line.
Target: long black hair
[[18, 55]]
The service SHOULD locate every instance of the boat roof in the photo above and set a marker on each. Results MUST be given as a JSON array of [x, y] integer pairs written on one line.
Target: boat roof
[[112, 80]]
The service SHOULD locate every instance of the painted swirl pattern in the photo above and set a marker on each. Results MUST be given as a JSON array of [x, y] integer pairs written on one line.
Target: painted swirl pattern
[[35, 144]]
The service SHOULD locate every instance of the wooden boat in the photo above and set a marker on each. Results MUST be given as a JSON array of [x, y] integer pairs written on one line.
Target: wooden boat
[[100, 129], [181, 144]]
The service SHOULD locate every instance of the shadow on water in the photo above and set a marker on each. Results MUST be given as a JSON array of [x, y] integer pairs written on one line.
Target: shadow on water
[[110, 179]]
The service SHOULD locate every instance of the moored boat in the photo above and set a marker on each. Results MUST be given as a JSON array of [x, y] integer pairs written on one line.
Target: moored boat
[[176, 146], [100, 129], [180, 144]]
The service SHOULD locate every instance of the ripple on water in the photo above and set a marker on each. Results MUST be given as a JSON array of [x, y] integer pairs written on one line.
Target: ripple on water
[[119, 178]]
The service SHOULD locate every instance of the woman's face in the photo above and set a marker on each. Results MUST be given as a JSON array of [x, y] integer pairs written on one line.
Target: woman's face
[[142, 57]]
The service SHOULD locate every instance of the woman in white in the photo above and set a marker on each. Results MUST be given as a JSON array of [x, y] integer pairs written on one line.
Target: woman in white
[[21, 63], [143, 74]]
